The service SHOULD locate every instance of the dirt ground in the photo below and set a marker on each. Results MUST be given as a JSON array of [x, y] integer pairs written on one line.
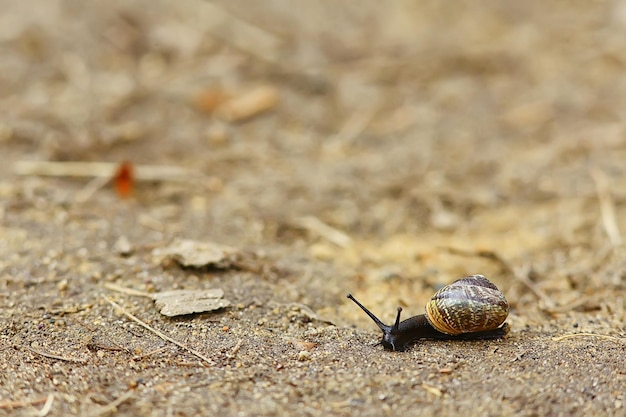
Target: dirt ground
[[379, 149]]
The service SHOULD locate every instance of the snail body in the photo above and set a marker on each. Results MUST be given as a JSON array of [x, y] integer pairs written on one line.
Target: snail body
[[469, 308]]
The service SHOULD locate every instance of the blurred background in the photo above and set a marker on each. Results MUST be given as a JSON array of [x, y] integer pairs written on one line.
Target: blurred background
[[415, 118], [379, 138], [383, 149]]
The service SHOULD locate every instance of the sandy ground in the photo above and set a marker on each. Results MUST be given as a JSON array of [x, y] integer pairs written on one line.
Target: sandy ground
[[335, 147]]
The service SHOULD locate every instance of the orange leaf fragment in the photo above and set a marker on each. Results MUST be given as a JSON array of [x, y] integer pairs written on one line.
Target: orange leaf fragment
[[124, 179]]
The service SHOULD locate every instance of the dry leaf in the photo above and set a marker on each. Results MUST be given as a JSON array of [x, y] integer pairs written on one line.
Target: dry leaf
[[302, 345], [194, 254], [249, 104], [124, 179], [209, 99], [181, 302]]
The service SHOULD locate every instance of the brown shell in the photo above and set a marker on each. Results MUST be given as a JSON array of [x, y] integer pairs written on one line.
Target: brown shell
[[470, 304]]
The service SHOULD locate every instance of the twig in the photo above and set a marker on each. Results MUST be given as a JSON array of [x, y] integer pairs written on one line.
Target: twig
[[580, 302], [102, 169], [315, 225], [124, 290], [46, 407], [432, 390], [112, 406], [521, 274], [245, 36], [603, 336], [20, 404], [607, 207], [233, 352], [91, 188], [158, 333], [52, 356], [260, 44], [145, 355]]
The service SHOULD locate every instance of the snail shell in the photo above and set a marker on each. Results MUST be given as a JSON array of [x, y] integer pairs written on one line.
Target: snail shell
[[469, 308], [470, 304]]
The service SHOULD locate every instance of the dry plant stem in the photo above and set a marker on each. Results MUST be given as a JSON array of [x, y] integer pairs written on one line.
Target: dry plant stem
[[158, 333], [154, 352], [432, 390], [571, 306], [124, 290], [53, 356], [101, 169], [521, 274], [250, 39], [602, 336], [20, 404], [233, 352], [607, 206], [112, 406], [315, 225], [90, 189], [46, 407], [265, 46]]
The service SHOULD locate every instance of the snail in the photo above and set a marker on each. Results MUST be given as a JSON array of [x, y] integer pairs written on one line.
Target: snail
[[470, 308]]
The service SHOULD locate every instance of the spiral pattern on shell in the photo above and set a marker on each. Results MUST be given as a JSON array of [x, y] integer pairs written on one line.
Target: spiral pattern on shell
[[470, 304]]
